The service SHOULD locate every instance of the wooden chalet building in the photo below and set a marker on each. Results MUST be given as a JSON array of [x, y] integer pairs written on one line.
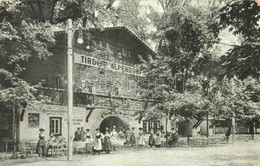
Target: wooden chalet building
[[106, 67]]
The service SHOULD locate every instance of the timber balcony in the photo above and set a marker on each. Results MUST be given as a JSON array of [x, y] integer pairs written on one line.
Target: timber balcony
[[57, 96]]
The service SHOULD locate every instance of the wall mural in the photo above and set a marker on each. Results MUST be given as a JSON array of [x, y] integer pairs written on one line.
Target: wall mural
[[33, 120]]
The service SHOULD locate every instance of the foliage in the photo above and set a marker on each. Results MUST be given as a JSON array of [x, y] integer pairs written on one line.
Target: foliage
[[242, 19], [26, 28]]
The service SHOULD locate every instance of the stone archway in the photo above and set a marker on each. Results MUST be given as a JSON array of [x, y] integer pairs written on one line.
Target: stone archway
[[111, 121]]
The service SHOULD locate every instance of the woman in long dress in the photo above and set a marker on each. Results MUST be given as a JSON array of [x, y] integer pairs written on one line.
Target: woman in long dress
[[113, 137], [141, 139], [98, 142], [107, 143], [151, 139], [41, 145]]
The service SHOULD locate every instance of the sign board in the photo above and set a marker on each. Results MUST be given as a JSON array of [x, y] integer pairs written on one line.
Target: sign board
[[95, 62]]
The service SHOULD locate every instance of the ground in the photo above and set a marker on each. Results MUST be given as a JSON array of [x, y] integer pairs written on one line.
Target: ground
[[240, 154]]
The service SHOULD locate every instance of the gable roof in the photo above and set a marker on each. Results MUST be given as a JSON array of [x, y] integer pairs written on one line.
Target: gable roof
[[131, 33], [122, 28]]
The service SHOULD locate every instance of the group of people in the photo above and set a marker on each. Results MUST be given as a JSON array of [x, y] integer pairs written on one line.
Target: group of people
[[105, 142], [43, 145], [154, 140], [82, 135], [101, 142]]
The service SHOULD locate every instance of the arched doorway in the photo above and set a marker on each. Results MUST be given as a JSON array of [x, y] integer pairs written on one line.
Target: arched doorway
[[111, 121]]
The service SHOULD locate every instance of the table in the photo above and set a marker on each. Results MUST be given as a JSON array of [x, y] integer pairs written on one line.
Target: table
[[8, 141]]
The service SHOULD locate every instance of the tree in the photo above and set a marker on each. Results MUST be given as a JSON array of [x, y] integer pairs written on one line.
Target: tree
[[242, 19], [26, 28]]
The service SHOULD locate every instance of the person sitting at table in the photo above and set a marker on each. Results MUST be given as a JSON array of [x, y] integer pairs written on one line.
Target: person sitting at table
[[53, 140], [82, 134], [77, 135], [98, 142], [41, 145], [107, 142]]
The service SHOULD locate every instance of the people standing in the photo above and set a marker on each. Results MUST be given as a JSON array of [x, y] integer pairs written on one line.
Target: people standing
[[172, 138], [98, 142], [228, 133], [141, 139], [132, 137], [157, 140], [88, 135], [82, 134], [121, 133], [127, 136], [114, 136], [151, 141], [107, 142], [77, 135], [41, 145]]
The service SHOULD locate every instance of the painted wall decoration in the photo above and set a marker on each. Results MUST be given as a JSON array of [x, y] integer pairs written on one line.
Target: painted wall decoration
[[33, 120]]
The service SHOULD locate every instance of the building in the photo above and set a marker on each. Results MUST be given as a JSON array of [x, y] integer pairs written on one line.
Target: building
[[105, 73]]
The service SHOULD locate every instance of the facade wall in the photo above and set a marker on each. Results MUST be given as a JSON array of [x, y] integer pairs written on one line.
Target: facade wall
[[34, 119]]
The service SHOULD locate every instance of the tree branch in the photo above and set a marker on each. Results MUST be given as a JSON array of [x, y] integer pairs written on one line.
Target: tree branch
[[52, 10]]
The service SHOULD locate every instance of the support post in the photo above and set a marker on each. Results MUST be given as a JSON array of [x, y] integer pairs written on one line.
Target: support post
[[70, 91], [14, 129], [207, 124], [233, 128]]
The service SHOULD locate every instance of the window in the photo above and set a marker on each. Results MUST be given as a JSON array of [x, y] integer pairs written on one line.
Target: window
[[148, 125], [55, 125], [33, 120]]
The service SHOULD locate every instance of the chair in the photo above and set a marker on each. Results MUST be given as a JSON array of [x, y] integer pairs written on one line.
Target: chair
[[79, 147], [89, 148], [27, 148], [57, 150]]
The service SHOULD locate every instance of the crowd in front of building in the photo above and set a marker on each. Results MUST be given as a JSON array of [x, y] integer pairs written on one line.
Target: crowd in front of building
[[110, 140]]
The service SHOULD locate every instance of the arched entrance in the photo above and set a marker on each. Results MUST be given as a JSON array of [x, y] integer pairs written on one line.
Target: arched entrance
[[111, 121]]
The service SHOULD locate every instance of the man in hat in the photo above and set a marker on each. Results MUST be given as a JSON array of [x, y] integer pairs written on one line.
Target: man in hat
[[77, 135], [82, 134], [132, 137], [98, 142]]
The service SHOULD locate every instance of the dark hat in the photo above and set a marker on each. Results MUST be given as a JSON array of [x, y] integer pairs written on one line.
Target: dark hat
[[133, 127], [172, 128], [41, 129], [140, 128], [87, 129], [97, 129]]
